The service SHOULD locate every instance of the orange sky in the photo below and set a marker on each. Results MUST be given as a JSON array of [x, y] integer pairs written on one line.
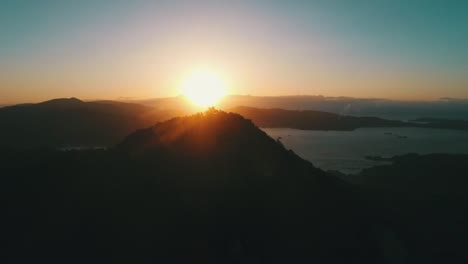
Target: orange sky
[[139, 49]]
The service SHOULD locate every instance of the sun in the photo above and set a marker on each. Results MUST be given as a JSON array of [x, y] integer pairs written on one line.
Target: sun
[[204, 88]]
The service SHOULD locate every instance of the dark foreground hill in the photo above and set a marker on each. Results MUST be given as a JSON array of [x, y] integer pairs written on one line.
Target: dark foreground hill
[[209, 188], [424, 202]]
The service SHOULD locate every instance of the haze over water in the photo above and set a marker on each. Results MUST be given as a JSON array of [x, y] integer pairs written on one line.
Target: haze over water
[[345, 151]]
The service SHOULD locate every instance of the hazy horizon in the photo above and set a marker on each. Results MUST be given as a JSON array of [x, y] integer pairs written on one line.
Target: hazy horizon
[[140, 99]]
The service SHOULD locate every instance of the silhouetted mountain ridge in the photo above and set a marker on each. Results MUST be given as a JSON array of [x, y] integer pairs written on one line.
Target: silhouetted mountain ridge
[[72, 122], [62, 102], [206, 188], [208, 135]]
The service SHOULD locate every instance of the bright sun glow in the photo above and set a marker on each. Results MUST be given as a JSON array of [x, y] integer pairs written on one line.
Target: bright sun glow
[[204, 88]]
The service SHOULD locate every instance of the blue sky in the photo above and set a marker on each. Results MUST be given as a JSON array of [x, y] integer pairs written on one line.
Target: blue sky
[[108, 49]]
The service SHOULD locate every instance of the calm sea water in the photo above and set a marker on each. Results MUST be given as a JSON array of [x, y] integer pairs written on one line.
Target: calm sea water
[[345, 151]]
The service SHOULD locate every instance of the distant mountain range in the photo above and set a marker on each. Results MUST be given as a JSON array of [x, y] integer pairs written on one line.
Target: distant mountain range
[[316, 120], [444, 108], [74, 123], [312, 120]]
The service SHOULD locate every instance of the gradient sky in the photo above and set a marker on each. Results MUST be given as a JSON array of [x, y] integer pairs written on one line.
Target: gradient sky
[[96, 49]]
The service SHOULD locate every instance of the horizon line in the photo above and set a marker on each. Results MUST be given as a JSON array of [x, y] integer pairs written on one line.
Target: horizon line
[[136, 99]]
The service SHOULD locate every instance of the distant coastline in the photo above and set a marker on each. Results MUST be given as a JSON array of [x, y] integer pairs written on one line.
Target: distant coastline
[[316, 120]]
